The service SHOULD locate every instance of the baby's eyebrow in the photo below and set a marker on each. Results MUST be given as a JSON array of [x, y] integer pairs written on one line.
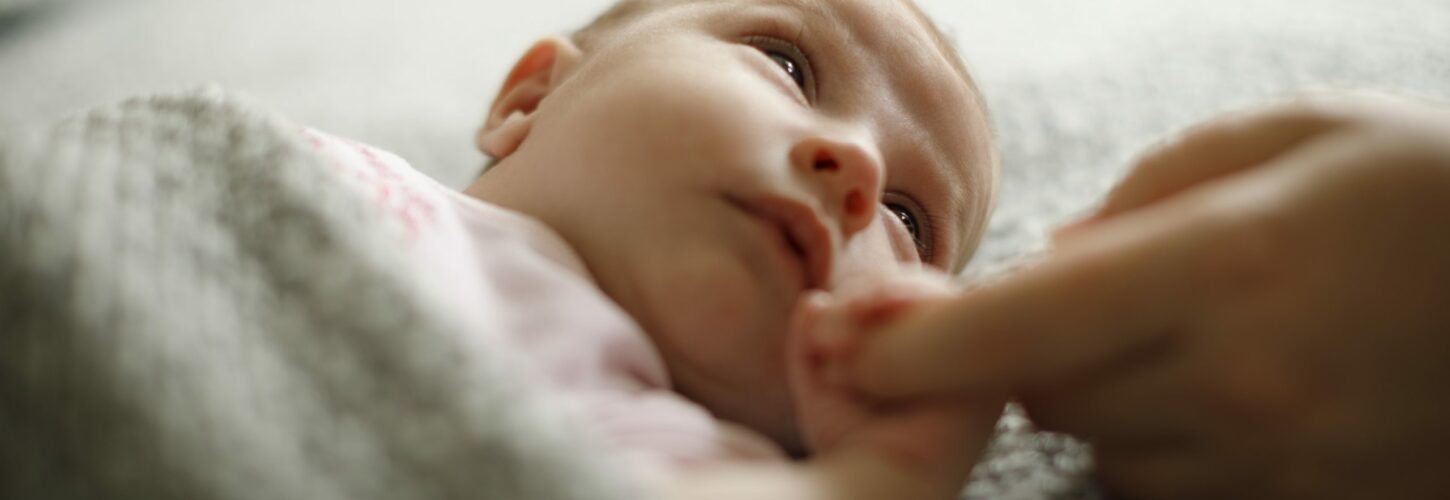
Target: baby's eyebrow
[[799, 4], [811, 8]]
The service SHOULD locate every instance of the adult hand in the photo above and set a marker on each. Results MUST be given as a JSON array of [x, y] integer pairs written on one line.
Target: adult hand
[[1260, 309], [931, 442]]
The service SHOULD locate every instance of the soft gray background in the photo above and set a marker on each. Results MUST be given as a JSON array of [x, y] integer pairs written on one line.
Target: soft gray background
[[1077, 87]]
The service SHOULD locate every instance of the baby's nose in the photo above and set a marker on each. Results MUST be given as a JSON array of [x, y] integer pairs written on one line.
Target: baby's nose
[[846, 175]]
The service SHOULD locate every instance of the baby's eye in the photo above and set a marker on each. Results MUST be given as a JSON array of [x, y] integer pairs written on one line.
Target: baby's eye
[[789, 66], [913, 224], [790, 58]]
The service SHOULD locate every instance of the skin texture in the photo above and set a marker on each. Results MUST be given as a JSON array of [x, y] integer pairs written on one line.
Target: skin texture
[[639, 152], [1257, 311], [926, 435]]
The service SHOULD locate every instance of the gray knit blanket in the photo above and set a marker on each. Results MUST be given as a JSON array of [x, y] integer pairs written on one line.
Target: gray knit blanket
[[195, 307]]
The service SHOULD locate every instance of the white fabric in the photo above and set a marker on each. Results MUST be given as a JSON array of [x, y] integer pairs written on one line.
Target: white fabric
[[499, 268], [196, 307]]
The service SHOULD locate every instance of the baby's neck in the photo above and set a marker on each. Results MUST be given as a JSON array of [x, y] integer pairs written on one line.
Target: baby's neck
[[539, 236]]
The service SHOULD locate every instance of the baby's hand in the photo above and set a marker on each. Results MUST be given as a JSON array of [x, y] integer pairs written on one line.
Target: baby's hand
[[936, 440]]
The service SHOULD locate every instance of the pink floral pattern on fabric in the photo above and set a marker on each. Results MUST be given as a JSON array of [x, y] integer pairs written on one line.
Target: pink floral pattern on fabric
[[375, 170]]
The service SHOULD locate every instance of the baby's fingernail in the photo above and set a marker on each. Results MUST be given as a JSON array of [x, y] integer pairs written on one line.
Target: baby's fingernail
[[815, 301]]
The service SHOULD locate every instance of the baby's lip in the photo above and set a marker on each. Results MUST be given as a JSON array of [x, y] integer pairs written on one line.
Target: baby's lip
[[802, 227]]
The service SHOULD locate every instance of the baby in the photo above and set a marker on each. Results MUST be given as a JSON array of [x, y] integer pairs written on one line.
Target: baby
[[696, 208]]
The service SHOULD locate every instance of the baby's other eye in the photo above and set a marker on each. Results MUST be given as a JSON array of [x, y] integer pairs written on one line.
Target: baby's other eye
[[914, 226], [790, 58]]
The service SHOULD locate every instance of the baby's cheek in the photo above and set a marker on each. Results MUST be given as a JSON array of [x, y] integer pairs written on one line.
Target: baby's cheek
[[866, 256]]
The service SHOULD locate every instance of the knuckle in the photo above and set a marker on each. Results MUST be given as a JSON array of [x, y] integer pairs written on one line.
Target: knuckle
[[1359, 110], [1335, 108], [1313, 108], [1419, 158], [1251, 250], [1260, 396], [1400, 162], [1302, 112]]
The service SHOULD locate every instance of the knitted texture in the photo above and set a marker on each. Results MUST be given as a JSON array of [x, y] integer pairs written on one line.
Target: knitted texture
[[196, 308]]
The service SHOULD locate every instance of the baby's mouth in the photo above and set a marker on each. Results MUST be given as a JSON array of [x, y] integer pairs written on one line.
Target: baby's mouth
[[801, 227]]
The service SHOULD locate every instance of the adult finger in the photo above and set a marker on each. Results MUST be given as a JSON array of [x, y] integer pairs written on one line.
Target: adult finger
[[1119, 289], [1234, 143], [1116, 289], [1220, 148], [1164, 473], [1206, 466], [1149, 402]]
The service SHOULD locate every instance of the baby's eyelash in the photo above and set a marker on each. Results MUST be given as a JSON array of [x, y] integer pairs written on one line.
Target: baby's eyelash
[[790, 34], [934, 223], [924, 241], [789, 56]]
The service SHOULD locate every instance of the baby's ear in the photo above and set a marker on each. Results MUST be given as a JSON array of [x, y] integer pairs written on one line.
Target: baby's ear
[[533, 77]]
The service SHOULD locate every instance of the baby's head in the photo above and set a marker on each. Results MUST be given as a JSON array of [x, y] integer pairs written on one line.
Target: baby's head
[[710, 160]]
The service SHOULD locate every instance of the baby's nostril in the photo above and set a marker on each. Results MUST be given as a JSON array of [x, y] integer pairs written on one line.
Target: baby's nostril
[[824, 162]]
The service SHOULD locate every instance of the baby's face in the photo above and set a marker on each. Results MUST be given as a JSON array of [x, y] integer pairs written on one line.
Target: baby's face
[[713, 160]]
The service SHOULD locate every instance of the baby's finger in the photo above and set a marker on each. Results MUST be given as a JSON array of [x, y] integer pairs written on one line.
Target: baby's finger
[[811, 324], [825, 409]]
